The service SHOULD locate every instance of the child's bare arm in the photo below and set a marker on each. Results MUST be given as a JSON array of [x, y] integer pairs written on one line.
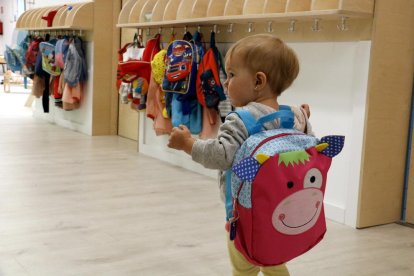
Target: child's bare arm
[[181, 139]]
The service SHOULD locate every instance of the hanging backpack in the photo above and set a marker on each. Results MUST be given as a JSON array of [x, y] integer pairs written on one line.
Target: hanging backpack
[[274, 194], [179, 83], [130, 69], [31, 55], [61, 50], [179, 60], [209, 89], [48, 51], [12, 59]]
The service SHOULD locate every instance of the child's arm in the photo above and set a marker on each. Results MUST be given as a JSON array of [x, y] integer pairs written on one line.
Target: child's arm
[[181, 139], [217, 153]]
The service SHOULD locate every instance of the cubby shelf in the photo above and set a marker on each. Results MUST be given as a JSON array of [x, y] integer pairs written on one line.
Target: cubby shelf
[[77, 16], [177, 13], [242, 19]]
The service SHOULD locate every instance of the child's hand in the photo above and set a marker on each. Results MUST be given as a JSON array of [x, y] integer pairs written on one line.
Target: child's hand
[[181, 139], [307, 109]]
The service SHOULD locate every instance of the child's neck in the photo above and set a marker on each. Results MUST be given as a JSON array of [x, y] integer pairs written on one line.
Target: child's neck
[[271, 102]]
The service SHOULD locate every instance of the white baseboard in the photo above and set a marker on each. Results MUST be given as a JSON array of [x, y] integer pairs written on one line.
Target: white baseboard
[[334, 212]]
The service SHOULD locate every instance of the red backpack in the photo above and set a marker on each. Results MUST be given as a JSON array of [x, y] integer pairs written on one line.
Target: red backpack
[[130, 70], [31, 55], [275, 199], [209, 89]]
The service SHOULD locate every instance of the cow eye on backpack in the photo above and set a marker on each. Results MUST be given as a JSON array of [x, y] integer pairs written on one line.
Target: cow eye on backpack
[[274, 194]]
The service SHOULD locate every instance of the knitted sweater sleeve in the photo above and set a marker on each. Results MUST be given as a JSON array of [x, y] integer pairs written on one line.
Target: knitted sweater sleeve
[[219, 153]]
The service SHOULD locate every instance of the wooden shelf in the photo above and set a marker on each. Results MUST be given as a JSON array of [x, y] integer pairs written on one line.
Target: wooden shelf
[[256, 18], [153, 13], [77, 16]]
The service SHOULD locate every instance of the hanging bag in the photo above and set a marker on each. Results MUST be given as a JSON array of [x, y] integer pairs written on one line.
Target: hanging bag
[[140, 66], [209, 88], [47, 51]]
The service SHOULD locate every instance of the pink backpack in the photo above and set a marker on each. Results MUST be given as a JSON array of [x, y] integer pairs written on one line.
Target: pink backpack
[[275, 199]]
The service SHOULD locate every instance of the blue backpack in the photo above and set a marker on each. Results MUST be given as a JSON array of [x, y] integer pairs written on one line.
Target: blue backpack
[[13, 59], [179, 83]]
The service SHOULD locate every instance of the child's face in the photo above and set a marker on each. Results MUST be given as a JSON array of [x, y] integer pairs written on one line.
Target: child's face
[[240, 82]]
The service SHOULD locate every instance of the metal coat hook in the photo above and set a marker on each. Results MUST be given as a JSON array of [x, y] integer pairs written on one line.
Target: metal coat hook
[[269, 27], [215, 29], [199, 28], [139, 31], [343, 26], [250, 27], [292, 26], [185, 29], [230, 28], [316, 26]]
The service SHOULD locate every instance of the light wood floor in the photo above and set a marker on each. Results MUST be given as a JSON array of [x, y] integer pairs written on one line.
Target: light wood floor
[[72, 204]]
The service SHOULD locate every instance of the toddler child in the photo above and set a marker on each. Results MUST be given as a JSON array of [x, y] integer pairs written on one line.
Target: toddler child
[[259, 68]]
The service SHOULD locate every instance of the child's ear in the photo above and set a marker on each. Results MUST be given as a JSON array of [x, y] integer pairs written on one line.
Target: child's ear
[[261, 80]]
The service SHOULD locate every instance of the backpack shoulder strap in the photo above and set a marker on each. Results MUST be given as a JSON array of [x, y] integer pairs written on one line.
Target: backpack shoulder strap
[[253, 126], [248, 120]]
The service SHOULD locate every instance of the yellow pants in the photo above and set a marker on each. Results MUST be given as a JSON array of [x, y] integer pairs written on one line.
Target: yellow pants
[[241, 267]]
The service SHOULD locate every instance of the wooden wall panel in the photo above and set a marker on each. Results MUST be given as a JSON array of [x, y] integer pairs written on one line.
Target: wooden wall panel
[[387, 115], [106, 36], [127, 117]]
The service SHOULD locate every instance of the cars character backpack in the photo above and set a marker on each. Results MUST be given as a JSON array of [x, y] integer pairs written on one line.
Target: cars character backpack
[[181, 63], [274, 194]]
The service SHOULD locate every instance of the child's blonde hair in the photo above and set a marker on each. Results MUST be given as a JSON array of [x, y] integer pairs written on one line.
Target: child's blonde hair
[[270, 55]]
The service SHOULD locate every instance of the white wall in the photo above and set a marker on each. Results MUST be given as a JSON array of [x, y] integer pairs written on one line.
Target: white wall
[[11, 11], [333, 81]]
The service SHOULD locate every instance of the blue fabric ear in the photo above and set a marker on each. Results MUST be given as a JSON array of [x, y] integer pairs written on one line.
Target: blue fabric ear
[[335, 142], [246, 169]]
